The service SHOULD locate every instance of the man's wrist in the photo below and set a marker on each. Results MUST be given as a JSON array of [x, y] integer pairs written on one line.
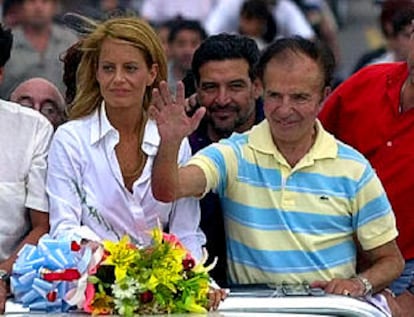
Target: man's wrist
[[366, 285], [4, 275]]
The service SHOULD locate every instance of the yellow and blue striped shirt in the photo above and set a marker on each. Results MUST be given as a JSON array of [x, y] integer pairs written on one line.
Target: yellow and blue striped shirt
[[297, 224]]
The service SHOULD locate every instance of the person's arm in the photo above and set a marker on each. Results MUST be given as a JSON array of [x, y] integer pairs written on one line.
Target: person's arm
[[40, 226], [169, 181], [64, 187], [184, 219], [375, 229], [388, 264], [36, 198], [3, 296]]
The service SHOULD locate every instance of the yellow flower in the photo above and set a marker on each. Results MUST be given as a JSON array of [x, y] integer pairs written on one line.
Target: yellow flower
[[121, 255], [102, 304]]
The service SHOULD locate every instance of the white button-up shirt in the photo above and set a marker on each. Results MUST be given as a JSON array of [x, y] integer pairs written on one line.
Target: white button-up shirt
[[25, 137], [88, 197]]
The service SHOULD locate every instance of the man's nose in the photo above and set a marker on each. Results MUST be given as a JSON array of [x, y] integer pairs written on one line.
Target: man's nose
[[223, 97]]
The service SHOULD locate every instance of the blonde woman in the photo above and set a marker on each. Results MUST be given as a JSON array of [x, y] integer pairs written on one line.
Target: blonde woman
[[100, 160]]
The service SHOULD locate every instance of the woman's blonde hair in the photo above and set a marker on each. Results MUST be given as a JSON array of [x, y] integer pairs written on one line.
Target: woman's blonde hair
[[133, 30]]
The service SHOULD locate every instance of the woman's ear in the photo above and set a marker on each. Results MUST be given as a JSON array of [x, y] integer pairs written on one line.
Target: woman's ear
[[152, 74]]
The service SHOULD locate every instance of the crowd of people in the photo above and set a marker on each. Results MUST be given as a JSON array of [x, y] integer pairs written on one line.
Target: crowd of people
[[221, 123]]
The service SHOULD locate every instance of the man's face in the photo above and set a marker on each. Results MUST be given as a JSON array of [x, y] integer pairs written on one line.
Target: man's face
[[38, 13], [182, 49], [292, 98], [40, 95], [401, 43], [410, 54], [228, 94]]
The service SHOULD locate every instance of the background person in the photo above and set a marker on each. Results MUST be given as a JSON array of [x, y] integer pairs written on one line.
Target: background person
[[373, 112], [43, 96], [24, 138], [226, 85], [183, 39], [38, 42]]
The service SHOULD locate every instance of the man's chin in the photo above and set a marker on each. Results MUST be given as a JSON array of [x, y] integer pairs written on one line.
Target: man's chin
[[224, 131]]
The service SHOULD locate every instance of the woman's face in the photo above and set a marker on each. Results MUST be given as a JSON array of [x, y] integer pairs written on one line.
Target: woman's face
[[122, 74]]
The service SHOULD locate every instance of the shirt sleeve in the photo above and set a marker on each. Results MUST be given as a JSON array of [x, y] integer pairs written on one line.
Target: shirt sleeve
[[184, 220], [373, 220], [291, 21], [64, 188], [36, 197], [219, 165], [224, 17]]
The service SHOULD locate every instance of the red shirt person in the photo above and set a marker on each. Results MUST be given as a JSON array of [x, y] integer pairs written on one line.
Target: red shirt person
[[372, 112]]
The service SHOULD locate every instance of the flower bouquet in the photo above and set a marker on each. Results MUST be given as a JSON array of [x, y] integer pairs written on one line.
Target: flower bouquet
[[116, 278]]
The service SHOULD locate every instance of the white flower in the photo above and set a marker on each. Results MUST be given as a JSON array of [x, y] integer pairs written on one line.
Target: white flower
[[127, 289]]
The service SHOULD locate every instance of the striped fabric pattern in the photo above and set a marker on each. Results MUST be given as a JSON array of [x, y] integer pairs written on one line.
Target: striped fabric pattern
[[296, 224]]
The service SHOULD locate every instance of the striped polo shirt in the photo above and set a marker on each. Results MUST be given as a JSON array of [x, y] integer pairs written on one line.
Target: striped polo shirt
[[297, 224]]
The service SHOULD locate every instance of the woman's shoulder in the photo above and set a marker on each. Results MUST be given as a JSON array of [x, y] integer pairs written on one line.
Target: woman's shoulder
[[76, 129]]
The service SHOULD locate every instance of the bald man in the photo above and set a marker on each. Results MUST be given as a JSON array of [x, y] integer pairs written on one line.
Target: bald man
[[43, 96]]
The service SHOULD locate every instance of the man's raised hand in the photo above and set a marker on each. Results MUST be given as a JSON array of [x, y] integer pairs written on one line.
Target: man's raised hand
[[170, 113]]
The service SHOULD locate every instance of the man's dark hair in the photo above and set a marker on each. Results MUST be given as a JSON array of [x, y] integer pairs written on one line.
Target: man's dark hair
[[402, 19], [259, 9], [223, 47], [317, 51], [181, 25], [6, 42], [389, 9]]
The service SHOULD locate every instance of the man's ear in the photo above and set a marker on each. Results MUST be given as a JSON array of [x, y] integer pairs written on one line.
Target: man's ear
[[326, 92], [1, 74], [257, 88]]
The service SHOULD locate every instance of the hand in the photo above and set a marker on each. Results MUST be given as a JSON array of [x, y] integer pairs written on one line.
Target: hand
[[93, 245], [349, 287], [172, 121], [215, 297], [191, 105], [3, 296]]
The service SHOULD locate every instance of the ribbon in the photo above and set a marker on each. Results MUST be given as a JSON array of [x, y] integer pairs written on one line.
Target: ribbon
[[43, 275]]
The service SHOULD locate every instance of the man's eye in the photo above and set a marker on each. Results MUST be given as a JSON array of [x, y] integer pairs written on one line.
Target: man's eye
[[27, 105], [208, 88]]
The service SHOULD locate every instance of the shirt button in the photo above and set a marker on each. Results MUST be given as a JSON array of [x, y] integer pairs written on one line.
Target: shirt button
[[389, 143]]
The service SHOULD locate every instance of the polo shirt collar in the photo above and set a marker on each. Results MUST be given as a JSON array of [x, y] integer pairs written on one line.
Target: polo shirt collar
[[325, 145]]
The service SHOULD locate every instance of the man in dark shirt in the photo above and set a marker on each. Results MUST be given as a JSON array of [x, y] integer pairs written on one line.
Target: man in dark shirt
[[223, 68]]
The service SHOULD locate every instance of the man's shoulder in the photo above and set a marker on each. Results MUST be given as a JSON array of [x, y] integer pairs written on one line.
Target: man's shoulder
[[62, 33], [346, 151], [380, 69]]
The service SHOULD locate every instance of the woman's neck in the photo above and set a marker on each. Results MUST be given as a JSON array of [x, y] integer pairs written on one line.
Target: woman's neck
[[126, 121]]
